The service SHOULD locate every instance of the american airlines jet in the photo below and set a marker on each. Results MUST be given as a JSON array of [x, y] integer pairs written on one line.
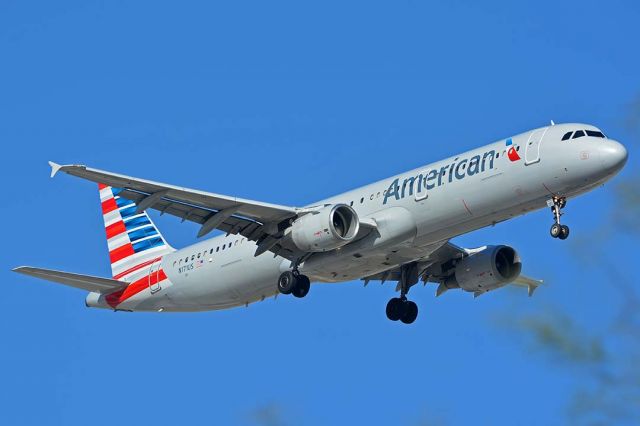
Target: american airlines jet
[[397, 229]]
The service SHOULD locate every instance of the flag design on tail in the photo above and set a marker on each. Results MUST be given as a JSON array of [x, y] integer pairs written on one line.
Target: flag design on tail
[[135, 245]]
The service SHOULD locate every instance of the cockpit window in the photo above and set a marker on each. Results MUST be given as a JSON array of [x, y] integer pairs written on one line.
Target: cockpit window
[[595, 134], [578, 134], [567, 136]]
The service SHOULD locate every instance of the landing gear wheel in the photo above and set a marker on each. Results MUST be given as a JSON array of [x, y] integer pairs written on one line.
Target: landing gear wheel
[[287, 282], [395, 309], [410, 312], [302, 286], [557, 230]]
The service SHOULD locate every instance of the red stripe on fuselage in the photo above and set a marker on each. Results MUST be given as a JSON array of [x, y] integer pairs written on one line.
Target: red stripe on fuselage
[[101, 186], [121, 252], [114, 299], [135, 268], [109, 205], [115, 229]]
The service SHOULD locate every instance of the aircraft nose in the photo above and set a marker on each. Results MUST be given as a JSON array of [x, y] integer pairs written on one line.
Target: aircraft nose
[[613, 155]]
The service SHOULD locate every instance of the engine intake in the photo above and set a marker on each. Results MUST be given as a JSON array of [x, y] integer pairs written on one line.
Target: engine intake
[[486, 270], [325, 229]]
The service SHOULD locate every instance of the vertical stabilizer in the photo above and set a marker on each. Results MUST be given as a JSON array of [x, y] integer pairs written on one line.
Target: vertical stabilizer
[[134, 241]]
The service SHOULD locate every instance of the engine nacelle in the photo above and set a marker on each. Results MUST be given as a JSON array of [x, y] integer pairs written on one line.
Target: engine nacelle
[[325, 229], [486, 270]]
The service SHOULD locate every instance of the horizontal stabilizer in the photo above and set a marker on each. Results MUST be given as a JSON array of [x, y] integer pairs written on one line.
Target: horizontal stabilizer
[[84, 282]]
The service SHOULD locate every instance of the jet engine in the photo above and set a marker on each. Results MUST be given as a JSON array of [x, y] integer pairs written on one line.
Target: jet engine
[[486, 270], [325, 229]]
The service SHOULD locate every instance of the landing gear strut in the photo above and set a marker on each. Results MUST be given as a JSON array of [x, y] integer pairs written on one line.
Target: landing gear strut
[[557, 230], [293, 282], [399, 308]]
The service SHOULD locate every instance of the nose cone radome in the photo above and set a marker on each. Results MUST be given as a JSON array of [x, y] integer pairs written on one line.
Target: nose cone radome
[[613, 155]]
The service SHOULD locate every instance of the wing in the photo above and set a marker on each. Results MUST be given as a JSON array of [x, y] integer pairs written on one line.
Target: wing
[[531, 283], [257, 221], [438, 265], [84, 282]]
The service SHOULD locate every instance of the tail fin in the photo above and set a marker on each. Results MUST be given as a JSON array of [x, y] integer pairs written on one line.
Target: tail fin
[[133, 239]]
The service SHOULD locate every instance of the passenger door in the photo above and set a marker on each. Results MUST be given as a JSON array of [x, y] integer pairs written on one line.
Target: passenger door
[[154, 277], [532, 150]]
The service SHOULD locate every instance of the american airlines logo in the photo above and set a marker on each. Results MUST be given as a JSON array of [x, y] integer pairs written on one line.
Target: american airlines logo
[[428, 180]]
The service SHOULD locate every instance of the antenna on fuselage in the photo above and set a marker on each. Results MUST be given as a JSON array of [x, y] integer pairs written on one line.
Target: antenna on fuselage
[[552, 123]]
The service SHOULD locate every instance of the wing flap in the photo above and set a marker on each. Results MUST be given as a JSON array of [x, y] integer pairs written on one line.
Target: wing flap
[[84, 282]]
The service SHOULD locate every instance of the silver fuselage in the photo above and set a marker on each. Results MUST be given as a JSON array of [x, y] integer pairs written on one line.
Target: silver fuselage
[[414, 211]]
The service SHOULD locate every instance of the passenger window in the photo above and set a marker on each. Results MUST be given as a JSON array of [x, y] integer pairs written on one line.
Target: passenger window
[[578, 134], [567, 136], [361, 200], [186, 260], [198, 255], [217, 249], [193, 256], [351, 204], [224, 246], [174, 263], [595, 134], [211, 251]]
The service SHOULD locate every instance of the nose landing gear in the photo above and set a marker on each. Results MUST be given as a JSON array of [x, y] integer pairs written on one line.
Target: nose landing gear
[[557, 230]]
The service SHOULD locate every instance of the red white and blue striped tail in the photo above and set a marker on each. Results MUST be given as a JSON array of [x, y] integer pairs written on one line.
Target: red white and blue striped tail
[[134, 242]]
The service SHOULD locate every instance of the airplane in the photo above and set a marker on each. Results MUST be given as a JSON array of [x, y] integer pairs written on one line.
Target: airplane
[[398, 229]]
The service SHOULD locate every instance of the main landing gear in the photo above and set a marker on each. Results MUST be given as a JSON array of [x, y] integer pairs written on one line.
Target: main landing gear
[[557, 230], [293, 282], [399, 308]]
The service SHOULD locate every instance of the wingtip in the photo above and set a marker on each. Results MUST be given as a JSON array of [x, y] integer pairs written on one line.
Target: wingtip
[[55, 167]]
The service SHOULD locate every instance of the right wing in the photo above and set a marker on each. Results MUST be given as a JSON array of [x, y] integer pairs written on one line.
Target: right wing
[[84, 282], [438, 265]]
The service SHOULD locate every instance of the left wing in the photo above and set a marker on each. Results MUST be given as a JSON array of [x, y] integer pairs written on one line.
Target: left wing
[[437, 266], [263, 223], [257, 221]]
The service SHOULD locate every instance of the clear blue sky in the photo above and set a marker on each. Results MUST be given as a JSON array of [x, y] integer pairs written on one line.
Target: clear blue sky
[[291, 103]]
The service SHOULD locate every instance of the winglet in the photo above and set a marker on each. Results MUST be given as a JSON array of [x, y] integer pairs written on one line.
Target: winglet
[[55, 167], [530, 283]]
